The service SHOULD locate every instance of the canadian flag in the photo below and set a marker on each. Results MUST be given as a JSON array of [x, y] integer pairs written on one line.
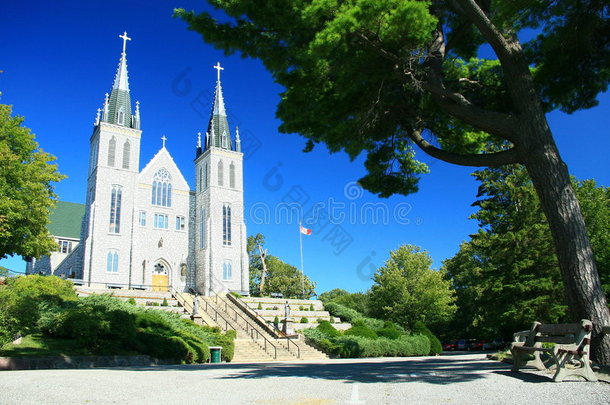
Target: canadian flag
[[305, 231]]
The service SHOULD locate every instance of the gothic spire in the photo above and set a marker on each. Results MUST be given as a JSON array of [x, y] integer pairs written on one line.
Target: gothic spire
[[219, 126], [117, 107]]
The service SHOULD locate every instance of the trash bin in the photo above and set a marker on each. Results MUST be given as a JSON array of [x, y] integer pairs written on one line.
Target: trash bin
[[215, 354]]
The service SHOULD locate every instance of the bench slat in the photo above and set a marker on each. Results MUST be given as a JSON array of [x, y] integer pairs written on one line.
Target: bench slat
[[533, 349], [556, 339], [560, 328]]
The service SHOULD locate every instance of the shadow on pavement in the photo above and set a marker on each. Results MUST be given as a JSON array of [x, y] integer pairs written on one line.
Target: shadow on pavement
[[440, 370]]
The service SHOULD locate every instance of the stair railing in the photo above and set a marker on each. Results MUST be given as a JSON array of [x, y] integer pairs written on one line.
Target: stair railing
[[260, 321], [249, 328], [182, 300]]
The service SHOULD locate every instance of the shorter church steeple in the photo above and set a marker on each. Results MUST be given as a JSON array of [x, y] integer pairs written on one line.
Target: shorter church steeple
[[117, 105]]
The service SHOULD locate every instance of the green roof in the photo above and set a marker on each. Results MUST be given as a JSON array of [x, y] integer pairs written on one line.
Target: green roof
[[65, 220]]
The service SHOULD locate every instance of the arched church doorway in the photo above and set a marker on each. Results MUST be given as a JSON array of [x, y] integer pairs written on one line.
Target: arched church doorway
[[160, 277]]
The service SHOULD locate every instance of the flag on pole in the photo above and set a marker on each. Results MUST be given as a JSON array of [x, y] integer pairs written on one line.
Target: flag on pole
[[305, 231]]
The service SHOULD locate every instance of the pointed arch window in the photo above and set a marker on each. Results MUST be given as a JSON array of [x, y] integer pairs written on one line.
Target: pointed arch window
[[121, 116], [201, 228], [220, 174], [126, 154], [111, 151], [162, 188], [115, 209], [224, 139], [232, 175], [200, 177], [205, 176], [227, 270], [226, 224], [112, 261]]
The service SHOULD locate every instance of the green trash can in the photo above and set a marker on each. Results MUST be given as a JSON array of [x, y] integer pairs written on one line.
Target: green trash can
[[215, 354]]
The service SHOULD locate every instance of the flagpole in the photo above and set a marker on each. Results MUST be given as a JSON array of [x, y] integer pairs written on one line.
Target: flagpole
[[302, 269]]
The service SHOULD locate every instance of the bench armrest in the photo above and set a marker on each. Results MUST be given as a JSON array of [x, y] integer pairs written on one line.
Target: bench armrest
[[521, 336]]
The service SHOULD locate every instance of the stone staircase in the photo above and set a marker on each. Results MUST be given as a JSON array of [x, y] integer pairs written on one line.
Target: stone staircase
[[255, 341]]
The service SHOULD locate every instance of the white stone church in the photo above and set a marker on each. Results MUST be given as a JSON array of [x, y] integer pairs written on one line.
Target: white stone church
[[147, 229]]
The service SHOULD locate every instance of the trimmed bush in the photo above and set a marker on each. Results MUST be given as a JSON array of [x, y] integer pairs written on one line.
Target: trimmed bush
[[329, 330], [260, 306], [22, 297], [389, 331], [350, 315], [164, 303], [435, 345], [131, 301], [311, 308], [343, 312], [304, 320], [360, 329]]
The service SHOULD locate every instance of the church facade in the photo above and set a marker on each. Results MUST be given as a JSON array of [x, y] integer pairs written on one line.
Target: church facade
[[148, 229]]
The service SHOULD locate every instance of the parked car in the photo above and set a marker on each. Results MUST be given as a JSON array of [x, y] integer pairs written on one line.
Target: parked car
[[449, 346], [478, 345]]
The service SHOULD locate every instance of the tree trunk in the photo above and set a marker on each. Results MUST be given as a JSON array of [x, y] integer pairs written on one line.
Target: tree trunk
[[549, 174]]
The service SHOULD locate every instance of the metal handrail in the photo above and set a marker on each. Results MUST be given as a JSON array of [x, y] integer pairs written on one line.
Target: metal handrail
[[182, 300], [261, 322], [249, 329]]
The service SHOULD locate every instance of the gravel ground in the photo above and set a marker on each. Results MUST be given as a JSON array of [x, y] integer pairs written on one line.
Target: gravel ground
[[451, 379]]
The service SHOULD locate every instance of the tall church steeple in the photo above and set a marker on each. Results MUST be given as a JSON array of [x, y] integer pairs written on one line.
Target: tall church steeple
[[218, 128], [117, 105]]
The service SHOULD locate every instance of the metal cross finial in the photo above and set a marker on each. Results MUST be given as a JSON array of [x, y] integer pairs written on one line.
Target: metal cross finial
[[163, 138], [218, 69], [125, 39]]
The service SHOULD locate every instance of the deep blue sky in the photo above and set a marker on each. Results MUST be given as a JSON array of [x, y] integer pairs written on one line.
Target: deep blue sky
[[60, 57]]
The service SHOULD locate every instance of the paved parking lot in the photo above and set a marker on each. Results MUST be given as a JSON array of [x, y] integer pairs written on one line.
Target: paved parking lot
[[450, 379]]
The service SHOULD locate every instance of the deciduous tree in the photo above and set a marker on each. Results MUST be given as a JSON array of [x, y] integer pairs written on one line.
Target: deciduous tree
[[385, 76], [26, 190], [406, 289]]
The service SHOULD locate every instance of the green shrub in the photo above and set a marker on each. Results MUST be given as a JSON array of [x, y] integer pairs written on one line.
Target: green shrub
[[164, 303], [276, 320], [300, 307], [435, 344], [360, 329], [389, 331], [350, 315], [304, 320], [311, 308], [260, 306], [131, 301], [332, 320], [320, 340], [343, 312], [326, 328], [21, 298]]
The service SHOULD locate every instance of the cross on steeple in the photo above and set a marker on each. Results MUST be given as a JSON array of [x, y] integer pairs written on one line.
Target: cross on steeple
[[218, 69], [163, 138], [125, 39]]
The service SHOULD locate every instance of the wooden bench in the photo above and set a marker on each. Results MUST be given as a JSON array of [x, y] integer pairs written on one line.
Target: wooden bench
[[570, 352]]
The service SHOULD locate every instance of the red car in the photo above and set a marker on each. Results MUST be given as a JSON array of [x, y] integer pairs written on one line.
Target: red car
[[450, 346]]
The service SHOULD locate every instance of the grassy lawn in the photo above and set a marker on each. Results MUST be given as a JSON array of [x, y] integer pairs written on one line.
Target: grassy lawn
[[40, 345]]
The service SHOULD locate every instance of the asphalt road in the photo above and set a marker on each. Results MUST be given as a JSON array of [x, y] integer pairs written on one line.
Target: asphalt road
[[450, 379]]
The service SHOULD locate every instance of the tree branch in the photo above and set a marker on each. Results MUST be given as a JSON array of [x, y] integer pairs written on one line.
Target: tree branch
[[499, 124], [505, 157]]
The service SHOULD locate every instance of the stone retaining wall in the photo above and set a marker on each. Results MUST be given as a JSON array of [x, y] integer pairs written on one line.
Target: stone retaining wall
[[51, 362]]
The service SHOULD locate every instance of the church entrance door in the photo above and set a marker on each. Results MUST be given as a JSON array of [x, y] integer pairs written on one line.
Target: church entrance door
[[160, 279]]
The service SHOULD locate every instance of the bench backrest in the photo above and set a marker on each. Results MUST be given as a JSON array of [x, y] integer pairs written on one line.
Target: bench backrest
[[578, 334]]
